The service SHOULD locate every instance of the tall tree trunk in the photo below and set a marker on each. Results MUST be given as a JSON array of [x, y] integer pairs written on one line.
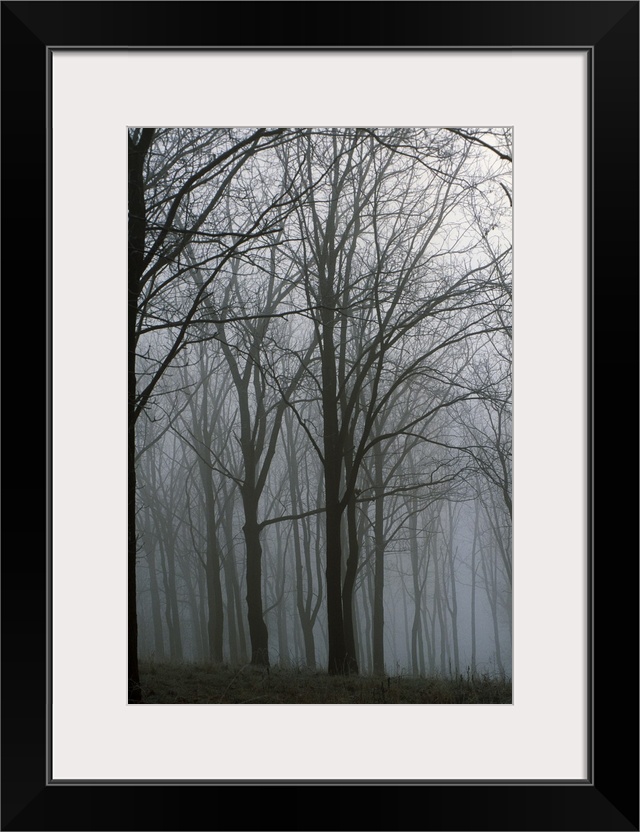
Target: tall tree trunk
[[172, 615], [135, 693], [201, 586], [490, 581], [136, 242], [215, 611], [430, 637], [235, 607], [243, 653], [474, 548], [303, 604], [338, 656], [136, 258], [198, 649], [417, 647], [284, 653], [348, 584], [367, 606], [407, 629], [318, 548], [156, 614], [438, 601], [258, 632], [378, 571], [215, 624], [232, 627], [454, 595], [338, 662]]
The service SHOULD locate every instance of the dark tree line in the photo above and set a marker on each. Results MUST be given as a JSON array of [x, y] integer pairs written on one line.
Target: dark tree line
[[319, 395]]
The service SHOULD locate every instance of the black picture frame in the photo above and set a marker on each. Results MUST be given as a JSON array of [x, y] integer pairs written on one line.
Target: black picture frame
[[608, 798]]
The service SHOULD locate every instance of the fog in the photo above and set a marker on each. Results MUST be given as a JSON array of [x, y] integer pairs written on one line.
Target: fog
[[320, 399]]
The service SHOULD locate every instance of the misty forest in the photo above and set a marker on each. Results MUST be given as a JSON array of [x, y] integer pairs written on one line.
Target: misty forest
[[320, 415]]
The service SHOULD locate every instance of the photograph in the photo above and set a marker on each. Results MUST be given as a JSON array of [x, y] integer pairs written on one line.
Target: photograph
[[320, 411]]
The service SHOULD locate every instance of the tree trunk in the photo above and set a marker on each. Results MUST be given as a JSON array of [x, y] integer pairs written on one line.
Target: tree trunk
[[367, 606], [215, 612], [474, 548], [201, 586], [284, 653], [417, 647], [172, 616], [215, 623], [156, 614], [136, 255], [489, 575], [232, 631], [303, 604], [349, 584], [338, 661], [439, 588], [136, 241], [338, 656], [378, 572], [258, 633], [454, 595], [198, 646], [235, 616]]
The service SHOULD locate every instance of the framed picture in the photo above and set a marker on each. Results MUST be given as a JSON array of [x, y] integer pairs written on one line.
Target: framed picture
[[563, 77]]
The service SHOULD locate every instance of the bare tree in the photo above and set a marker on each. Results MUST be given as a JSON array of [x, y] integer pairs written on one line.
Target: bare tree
[[379, 264], [178, 179]]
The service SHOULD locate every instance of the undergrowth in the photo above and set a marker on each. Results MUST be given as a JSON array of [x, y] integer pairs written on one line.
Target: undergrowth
[[204, 683]]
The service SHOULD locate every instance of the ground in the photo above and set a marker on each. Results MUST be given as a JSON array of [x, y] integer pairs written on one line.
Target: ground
[[171, 683]]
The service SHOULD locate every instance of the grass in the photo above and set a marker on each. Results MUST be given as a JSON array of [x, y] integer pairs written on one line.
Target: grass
[[170, 683]]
